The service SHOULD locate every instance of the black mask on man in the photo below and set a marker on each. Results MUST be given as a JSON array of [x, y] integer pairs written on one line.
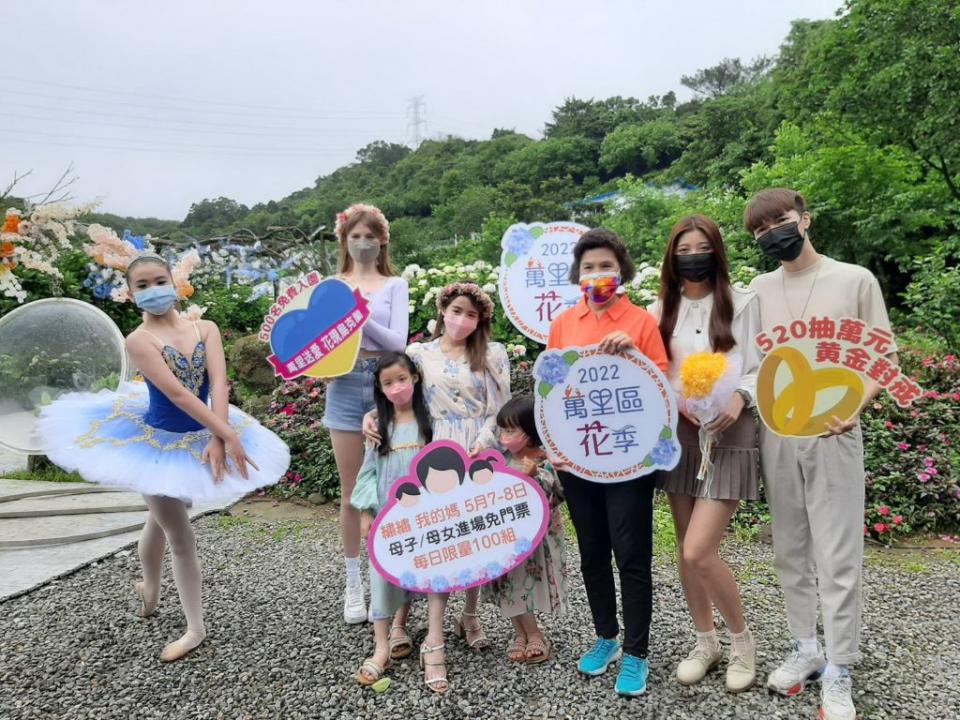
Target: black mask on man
[[783, 243], [696, 268]]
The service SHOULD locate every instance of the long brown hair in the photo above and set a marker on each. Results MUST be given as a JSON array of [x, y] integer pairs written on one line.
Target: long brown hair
[[479, 340], [373, 219], [721, 317]]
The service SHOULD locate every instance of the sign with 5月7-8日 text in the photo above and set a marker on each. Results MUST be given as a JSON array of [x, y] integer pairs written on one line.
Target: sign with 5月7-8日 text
[[455, 522]]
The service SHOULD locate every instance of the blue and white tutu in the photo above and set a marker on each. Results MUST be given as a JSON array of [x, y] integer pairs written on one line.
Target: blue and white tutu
[[105, 437]]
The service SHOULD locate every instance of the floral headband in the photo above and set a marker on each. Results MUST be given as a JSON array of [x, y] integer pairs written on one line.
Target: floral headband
[[469, 290], [112, 251], [342, 217]]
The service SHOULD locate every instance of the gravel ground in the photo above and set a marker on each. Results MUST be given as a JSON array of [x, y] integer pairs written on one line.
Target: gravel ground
[[277, 647]]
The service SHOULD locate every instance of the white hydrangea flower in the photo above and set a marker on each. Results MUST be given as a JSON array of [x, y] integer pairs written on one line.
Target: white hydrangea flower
[[432, 326], [489, 288]]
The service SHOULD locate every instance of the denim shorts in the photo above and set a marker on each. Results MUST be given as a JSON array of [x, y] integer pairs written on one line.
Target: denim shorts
[[350, 397]]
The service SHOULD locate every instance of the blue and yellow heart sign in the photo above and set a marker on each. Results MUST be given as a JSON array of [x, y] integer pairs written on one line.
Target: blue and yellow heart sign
[[314, 328]]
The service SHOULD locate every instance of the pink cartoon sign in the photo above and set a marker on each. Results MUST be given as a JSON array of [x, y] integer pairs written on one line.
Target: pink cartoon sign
[[455, 522]]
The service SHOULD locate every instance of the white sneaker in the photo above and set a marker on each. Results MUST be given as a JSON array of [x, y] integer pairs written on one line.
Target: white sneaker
[[835, 700], [701, 660], [742, 664], [354, 608], [797, 670]]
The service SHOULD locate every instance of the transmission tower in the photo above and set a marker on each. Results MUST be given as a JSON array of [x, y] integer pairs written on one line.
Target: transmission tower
[[416, 111]]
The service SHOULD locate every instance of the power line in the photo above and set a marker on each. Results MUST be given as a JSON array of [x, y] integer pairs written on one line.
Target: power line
[[219, 130], [192, 100]]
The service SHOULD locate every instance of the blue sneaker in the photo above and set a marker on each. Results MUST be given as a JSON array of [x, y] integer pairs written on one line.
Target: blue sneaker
[[599, 658], [632, 680]]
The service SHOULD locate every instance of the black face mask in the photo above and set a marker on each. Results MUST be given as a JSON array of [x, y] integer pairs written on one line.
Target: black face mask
[[783, 243], [696, 268]]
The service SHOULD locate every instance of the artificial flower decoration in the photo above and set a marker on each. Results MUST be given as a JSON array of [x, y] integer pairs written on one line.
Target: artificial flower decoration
[[707, 383]]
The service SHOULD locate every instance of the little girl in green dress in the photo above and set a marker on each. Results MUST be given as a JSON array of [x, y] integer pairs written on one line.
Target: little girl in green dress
[[539, 585], [405, 427]]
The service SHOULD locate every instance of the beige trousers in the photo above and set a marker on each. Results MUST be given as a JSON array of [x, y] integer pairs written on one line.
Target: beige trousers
[[815, 487]]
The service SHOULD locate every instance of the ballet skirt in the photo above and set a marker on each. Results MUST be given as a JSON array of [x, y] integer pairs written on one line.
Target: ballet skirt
[[137, 439]]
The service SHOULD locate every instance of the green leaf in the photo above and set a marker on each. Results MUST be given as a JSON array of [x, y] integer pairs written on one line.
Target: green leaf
[[648, 461], [509, 259], [571, 356], [543, 389], [666, 433], [380, 685], [536, 232]]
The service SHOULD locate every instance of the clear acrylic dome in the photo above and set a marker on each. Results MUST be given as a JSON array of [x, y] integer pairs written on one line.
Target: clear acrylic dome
[[48, 348]]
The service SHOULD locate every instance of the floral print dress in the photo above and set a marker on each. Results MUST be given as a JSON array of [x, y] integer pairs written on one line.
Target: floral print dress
[[463, 404], [540, 584]]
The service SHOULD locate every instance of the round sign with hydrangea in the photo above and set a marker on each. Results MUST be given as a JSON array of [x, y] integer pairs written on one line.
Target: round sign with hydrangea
[[606, 418], [534, 278]]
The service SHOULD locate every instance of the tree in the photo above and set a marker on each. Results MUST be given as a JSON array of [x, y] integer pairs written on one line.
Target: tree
[[726, 75], [594, 119], [382, 154], [894, 67], [209, 217], [641, 148]]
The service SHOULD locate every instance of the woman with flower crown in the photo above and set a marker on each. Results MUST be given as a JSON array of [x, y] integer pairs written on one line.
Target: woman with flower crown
[[466, 380], [161, 437]]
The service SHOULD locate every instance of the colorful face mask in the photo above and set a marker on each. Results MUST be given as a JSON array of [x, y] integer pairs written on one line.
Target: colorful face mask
[[458, 327], [156, 300], [399, 394], [600, 287]]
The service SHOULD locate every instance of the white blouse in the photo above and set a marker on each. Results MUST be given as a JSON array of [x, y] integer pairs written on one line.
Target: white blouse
[[692, 335]]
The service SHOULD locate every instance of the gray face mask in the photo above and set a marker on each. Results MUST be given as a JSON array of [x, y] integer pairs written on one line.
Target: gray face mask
[[363, 251]]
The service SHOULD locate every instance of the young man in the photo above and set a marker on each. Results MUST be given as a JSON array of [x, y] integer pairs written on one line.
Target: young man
[[815, 485]]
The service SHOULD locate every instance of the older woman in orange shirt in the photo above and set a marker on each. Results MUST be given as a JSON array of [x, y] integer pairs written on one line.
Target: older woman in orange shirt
[[612, 517]]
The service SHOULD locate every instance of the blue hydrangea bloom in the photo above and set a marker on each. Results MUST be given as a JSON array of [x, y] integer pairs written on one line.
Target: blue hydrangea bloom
[[439, 584], [519, 241], [408, 579], [465, 577], [136, 240], [663, 452], [553, 369], [522, 545], [494, 570]]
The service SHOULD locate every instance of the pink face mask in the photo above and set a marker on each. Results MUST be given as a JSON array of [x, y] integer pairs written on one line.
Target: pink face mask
[[514, 441], [399, 394], [458, 327]]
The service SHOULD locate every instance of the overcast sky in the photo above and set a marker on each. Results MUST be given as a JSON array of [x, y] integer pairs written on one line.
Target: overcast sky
[[161, 104]]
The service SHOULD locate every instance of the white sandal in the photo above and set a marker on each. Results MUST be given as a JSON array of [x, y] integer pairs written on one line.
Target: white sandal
[[461, 630], [433, 682]]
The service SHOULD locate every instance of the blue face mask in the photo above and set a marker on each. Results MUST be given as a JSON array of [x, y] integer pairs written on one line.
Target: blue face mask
[[156, 300]]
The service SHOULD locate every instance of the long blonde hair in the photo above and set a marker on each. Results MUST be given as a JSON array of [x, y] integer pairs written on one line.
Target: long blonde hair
[[377, 222]]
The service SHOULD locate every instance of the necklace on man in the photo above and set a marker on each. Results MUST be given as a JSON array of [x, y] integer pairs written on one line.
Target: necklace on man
[[786, 298]]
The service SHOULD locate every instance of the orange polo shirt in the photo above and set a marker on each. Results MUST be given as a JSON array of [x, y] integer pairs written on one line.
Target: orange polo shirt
[[581, 326]]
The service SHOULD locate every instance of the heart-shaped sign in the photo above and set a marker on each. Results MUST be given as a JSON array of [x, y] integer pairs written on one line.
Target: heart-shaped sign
[[323, 338]]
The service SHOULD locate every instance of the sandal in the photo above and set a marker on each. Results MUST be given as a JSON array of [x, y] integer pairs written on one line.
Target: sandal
[[432, 683], [371, 671], [517, 650], [401, 646], [538, 650], [460, 629]]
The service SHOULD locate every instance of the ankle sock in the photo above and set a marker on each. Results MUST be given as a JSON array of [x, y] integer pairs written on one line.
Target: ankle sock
[[708, 640], [353, 569], [742, 640], [834, 671], [809, 647]]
